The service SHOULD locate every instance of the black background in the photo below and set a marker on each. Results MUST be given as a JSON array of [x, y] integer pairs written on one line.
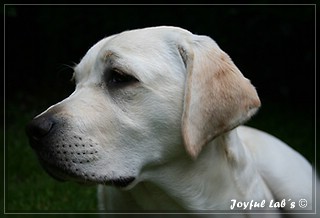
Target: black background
[[273, 45]]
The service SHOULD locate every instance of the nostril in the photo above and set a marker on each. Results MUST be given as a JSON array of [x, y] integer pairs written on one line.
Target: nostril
[[39, 127]]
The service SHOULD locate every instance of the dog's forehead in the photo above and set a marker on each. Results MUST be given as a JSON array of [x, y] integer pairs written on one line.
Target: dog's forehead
[[140, 38], [144, 42]]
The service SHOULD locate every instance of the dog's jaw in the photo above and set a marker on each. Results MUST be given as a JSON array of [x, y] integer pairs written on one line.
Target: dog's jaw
[[193, 185]]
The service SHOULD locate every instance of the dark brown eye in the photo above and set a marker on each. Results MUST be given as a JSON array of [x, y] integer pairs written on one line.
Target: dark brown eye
[[118, 78]]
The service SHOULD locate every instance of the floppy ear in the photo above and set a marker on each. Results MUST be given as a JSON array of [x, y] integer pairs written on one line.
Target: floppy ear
[[217, 98]]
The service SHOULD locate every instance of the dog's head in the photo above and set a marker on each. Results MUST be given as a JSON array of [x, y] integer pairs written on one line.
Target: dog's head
[[140, 95]]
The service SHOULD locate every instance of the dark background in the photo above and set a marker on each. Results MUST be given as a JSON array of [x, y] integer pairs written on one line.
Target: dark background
[[273, 46]]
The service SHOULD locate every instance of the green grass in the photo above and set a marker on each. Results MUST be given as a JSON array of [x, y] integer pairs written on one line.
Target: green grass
[[30, 189]]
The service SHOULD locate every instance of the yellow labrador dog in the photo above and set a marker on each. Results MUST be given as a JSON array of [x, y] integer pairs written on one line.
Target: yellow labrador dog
[[155, 120]]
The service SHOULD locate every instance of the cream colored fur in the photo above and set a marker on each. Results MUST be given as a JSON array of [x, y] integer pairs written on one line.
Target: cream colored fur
[[176, 130]]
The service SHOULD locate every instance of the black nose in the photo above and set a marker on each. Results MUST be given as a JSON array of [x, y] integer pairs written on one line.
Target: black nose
[[39, 127]]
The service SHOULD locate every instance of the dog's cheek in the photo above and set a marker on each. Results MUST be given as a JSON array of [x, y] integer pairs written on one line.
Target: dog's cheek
[[164, 130]]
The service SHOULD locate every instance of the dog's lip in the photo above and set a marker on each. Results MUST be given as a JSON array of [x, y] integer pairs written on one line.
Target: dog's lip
[[54, 171], [63, 175], [121, 182], [54, 175]]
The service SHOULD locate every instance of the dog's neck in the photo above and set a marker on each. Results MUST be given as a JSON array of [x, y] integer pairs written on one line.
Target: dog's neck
[[186, 184]]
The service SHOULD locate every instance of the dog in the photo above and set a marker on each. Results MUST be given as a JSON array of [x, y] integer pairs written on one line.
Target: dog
[[156, 120]]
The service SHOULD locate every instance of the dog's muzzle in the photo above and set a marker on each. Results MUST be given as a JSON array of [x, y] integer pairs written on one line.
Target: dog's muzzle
[[39, 131], [61, 153], [66, 154]]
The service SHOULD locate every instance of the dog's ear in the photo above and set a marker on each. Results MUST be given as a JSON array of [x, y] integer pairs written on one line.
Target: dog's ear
[[217, 98]]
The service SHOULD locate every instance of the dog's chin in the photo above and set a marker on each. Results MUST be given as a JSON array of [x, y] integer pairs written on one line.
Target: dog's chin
[[61, 174]]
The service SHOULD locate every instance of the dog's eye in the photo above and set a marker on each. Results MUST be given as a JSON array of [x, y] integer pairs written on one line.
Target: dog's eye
[[117, 77]]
